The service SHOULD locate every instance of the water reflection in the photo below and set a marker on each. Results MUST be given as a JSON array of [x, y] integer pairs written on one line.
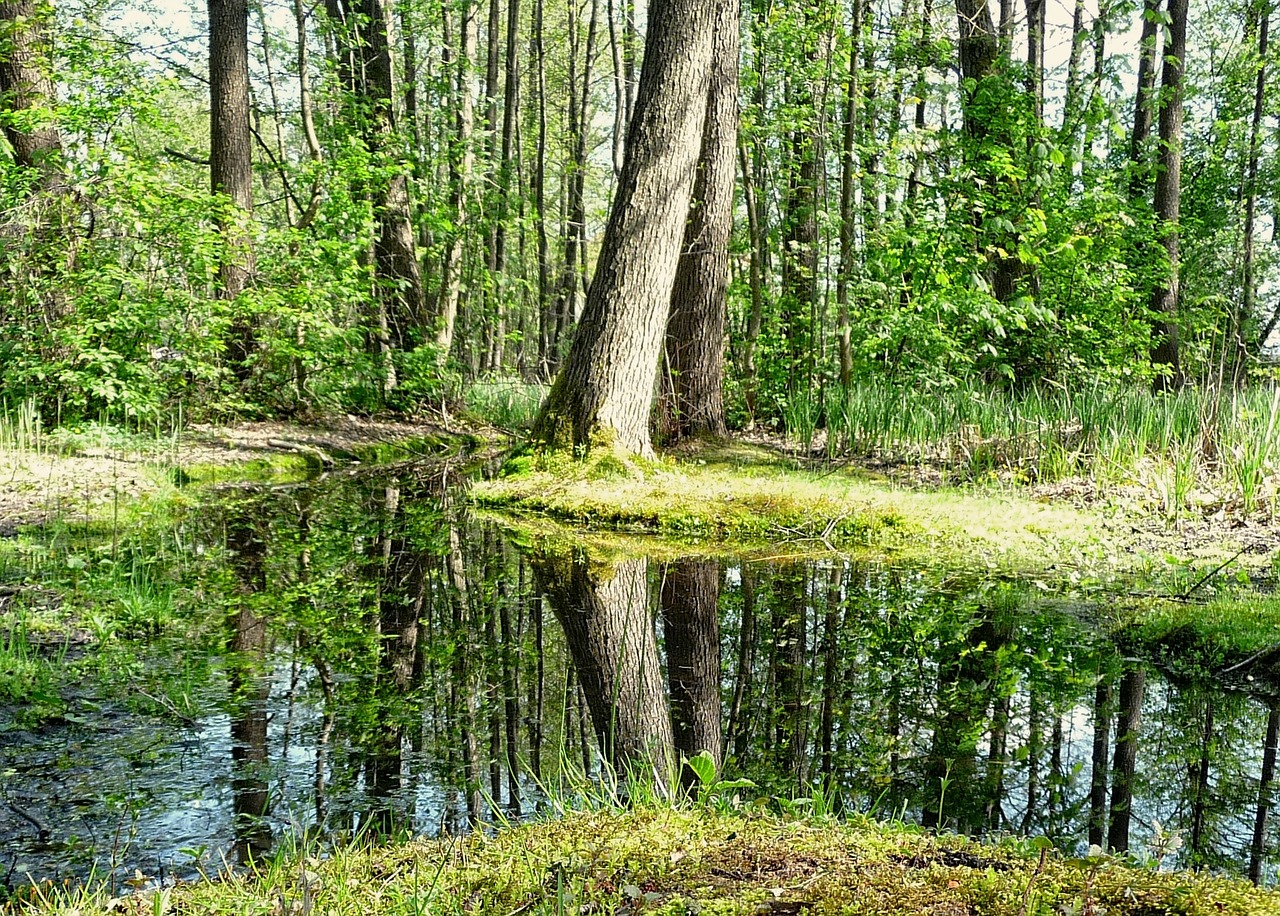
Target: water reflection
[[388, 665]]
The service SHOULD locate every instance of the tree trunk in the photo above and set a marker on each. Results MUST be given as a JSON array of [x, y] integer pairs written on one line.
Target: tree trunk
[[26, 88], [1143, 101], [1164, 295], [1132, 689], [696, 327], [605, 391], [231, 169], [609, 628], [1259, 844], [1247, 312], [461, 165], [691, 633], [848, 170], [1099, 771]]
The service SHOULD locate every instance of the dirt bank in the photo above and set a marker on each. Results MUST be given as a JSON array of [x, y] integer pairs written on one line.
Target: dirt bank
[[74, 475]]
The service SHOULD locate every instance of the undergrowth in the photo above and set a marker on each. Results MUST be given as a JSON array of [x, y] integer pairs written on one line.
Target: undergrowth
[[1226, 441]]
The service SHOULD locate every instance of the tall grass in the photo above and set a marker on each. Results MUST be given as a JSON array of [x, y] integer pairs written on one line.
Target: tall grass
[[1196, 438], [20, 427], [509, 403]]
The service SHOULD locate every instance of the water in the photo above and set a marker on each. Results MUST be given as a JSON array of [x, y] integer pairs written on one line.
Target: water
[[362, 656]]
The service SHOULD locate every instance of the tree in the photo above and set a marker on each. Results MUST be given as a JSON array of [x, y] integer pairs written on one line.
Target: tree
[[26, 88], [231, 168], [696, 326], [605, 390], [1164, 294]]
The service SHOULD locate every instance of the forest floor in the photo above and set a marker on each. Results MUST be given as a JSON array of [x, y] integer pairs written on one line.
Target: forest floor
[[74, 475], [664, 860]]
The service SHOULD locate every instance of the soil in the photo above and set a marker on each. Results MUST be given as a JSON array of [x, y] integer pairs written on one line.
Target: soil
[[77, 481]]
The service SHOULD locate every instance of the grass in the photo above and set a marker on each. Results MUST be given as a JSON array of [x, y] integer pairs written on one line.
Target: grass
[[676, 860], [744, 495], [1237, 631], [1225, 441], [507, 403]]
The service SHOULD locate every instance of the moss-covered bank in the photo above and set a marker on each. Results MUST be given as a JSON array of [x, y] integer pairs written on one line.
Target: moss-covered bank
[[674, 862], [746, 496]]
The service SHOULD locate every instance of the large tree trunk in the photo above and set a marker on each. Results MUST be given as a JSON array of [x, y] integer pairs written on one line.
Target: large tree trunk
[[231, 167], [605, 391], [696, 327], [609, 627], [1164, 296], [26, 88]]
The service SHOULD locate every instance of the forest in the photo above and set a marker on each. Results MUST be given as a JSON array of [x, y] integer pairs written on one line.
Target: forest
[[274, 210]]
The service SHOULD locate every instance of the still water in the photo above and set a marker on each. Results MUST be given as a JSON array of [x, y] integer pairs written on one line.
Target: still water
[[360, 655]]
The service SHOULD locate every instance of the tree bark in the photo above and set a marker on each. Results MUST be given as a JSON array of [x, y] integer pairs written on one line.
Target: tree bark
[[461, 166], [1247, 312], [609, 627], [691, 633], [231, 169], [1143, 101], [1258, 846], [699, 297], [1099, 770], [1164, 296], [1132, 690], [26, 87], [605, 391]]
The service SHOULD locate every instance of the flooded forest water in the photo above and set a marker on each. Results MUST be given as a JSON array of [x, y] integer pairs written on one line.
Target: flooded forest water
[[359, 655]]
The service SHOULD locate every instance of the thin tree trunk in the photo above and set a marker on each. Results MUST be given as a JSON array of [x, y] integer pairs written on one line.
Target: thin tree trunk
[[1132, 689], [1259, 844], [848, 166], [1100, 770], [1144, 101], [1164, 296], [1249, 292], [231, 170], [461, 166]]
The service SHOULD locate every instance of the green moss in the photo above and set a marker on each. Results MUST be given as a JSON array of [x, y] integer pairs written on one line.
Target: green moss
[[745, 496], [678, 861], [1239, 630]]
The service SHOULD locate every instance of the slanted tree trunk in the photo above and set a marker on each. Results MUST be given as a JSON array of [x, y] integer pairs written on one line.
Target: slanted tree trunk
[[1259, 844], [605, 391], [1164, 295], [696, 326], [231, 169]]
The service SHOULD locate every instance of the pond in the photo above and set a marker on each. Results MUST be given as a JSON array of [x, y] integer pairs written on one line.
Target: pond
[[360, 656]]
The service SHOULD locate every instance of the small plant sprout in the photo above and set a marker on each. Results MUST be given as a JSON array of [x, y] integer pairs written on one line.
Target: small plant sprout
[[1163, 843]]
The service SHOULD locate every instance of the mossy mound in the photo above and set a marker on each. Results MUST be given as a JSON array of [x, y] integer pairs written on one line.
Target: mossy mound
[[749, 497], [676, 862]]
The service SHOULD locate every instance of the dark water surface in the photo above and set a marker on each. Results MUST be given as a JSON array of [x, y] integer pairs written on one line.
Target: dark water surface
[[363, 656]]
